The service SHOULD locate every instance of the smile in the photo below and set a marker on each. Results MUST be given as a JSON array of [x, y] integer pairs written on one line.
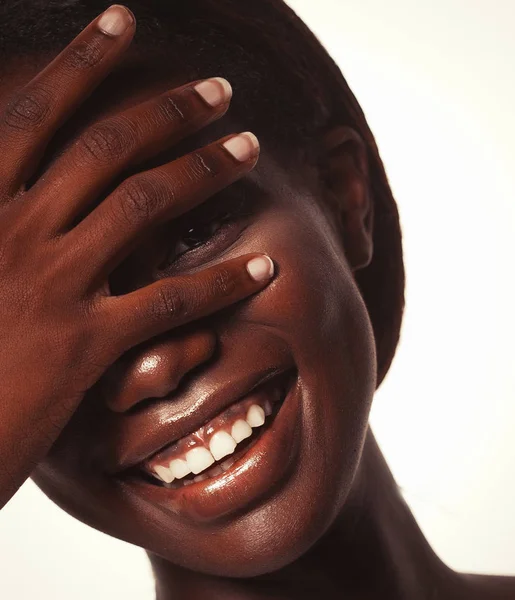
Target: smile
[[245, 453], [213, 448]]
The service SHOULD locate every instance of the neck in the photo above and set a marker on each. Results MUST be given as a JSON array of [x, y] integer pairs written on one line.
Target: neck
[[374, 550]]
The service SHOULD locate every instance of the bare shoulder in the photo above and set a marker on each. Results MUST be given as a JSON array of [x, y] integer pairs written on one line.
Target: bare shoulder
[[489, 587]]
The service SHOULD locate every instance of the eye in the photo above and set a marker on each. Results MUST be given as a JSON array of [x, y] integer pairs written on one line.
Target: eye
[[196, 236], [200, 235]]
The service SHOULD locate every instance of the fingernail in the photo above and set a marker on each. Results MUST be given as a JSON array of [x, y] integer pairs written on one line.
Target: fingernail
[[215, 91], [115, 20], [243, 146], [260, 268]]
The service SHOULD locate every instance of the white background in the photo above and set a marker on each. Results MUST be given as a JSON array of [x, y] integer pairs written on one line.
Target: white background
[[436, 82]]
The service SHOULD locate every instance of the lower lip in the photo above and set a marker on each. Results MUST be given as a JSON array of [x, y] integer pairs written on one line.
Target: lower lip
[[255, 476]]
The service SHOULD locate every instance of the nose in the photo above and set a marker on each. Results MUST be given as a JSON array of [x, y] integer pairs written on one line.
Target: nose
[[155, 369]]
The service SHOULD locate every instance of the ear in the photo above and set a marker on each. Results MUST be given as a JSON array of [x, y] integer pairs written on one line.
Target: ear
[[344, 169]]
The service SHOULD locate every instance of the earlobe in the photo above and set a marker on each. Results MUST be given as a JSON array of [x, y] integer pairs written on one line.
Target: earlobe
[[344, 164]]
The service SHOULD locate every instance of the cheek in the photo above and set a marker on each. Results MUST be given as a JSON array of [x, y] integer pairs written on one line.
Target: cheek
[[314, 301], [316, 307]]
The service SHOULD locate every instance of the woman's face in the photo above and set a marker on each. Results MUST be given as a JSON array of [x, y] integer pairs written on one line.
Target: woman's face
[[308, 334]]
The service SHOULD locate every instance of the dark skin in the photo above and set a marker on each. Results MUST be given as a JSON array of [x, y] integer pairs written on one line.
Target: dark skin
[[124, 359]]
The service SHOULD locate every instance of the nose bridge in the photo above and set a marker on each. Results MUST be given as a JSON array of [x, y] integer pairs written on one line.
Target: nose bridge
[[155, 369]]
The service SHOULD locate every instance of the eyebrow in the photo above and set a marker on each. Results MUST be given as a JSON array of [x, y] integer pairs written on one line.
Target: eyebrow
[[248, 187], [248, 184]]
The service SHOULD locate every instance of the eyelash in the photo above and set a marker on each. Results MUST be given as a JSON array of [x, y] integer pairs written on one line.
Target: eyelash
[[222, 218]]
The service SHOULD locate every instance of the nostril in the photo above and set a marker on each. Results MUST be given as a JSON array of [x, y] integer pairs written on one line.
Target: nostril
[[156, 369], [142, 405]]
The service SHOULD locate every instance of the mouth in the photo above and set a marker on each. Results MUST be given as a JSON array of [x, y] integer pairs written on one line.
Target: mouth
[[227, 454]]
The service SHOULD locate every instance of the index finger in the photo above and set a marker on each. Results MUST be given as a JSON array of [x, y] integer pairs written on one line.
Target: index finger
[[40, 107], [133, 318]]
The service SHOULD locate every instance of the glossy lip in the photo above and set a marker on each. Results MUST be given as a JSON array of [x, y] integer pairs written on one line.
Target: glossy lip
[[148, 439], [257, 474], [269, 389]]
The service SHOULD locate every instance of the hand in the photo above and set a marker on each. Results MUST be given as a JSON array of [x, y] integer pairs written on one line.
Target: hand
[[61, 328]]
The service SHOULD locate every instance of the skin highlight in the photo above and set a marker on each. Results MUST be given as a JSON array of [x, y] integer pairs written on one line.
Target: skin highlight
[[352, 535]]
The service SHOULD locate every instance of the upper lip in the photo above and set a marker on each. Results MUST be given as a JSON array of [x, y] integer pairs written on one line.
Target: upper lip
[[137, 444]]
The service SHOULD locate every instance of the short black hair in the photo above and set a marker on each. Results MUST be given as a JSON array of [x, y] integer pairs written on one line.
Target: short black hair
[[276, 66]]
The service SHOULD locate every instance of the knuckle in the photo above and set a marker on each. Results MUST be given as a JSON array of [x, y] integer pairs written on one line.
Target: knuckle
[[83, 55], [169, 111], [200, 166], [223, 283], [169, 304], [28, 109], [141, 198], [106, 142]]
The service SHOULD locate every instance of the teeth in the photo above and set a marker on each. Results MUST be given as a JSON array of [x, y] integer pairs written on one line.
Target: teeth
[[268, 407], [216, 470], [164, 474], [221, 444], [179, 468], [241, 430], [187, 482], [255, 416], [227, 463], [201, 477], [277, 394], [199, 459]]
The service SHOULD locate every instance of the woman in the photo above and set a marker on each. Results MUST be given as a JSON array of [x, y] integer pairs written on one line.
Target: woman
[[149, 338]]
